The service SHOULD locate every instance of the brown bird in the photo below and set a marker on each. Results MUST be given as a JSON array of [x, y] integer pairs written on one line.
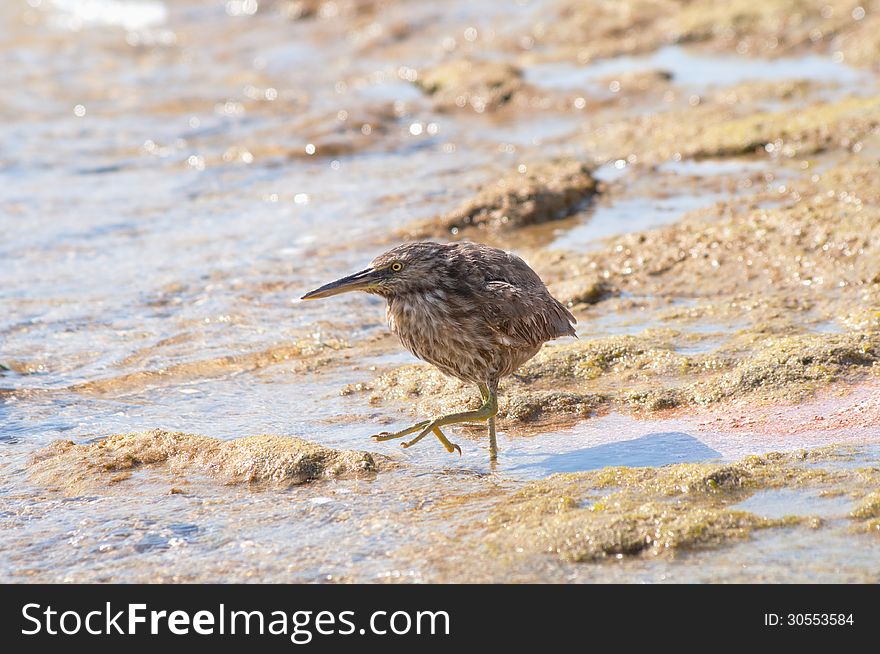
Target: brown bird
[[474, 311]]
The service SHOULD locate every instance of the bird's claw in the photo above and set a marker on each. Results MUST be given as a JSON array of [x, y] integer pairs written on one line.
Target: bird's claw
[[426, 427]]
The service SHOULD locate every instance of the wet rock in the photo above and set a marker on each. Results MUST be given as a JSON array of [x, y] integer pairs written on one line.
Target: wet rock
[[582, 290], [304, 355], [779, 367], [532, 406], [591, 31], [868, 508], [264, 459], [464, 83], [653, 529], [634, 514], [623, 512], [421, 388], [424, 391], [769, 28], [863, 318], [758, 92], [298, 9], [20, 367], [861, 47], [323, 134], [637, 81], [866, 514], [642, 372], [657, 399], [532, 194], [792, 367], [553, 384], [336, 10], [716, 130], [807, 131], [590, 359], [782, 284]]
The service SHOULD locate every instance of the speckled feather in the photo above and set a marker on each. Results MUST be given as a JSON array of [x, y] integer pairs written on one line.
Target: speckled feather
[[475, 312]]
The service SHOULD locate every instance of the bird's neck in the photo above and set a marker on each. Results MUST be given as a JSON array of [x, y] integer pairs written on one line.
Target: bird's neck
[[408, 312]]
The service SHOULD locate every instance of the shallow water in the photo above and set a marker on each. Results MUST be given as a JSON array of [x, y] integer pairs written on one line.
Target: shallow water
[[697, 71], [630, 215], [667, 203], [176, 175]]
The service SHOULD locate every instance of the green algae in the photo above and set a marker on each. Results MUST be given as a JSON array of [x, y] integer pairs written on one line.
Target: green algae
[[591, 359], [808, 131], [868, 508], [275, 460], [531, 406], [866, 514], [792, 367], [625, 512], [778, 367]]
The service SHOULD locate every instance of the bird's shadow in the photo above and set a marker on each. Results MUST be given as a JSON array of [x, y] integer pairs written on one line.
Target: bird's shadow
[[657, 449]]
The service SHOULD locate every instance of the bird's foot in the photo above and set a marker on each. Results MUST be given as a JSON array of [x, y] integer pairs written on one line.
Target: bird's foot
[[429, 428], [384, 436], [390, 436], [450, 446], [424, 428]]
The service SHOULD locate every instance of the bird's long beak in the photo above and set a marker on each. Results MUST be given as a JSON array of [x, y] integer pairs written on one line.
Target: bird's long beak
[[360, 281]]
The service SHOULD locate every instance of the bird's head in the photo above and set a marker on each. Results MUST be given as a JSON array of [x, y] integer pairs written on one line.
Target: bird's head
[[408, 268]]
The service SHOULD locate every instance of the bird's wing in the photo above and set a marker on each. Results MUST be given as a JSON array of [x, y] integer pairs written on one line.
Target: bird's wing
[[525, 317]]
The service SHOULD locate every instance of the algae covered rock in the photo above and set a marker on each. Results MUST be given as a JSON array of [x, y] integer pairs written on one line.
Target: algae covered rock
[[465, 83], [533, 405], [530, 195], [641, 372], [251, 460], [866, 514], [715, 129], [303, 355], [622, 512], [808, 131], [792, 367], [868, 508], [591, 30]]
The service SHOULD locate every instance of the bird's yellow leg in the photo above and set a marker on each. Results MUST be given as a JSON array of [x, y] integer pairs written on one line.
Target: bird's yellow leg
[[450, 446], [485, 412], [493, 444], [485, 393], [389, 436]]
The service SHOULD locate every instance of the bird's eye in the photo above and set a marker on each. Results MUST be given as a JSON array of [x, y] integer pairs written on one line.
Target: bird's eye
[[397, 266]]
